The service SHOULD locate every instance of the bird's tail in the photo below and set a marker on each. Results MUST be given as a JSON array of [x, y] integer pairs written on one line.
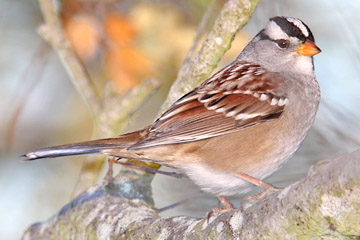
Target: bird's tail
[[86, 148]]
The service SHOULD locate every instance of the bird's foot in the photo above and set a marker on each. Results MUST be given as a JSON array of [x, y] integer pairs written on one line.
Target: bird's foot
[[268, 188], [227, 207]]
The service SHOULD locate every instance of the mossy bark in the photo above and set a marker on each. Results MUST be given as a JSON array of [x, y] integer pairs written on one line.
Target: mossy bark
[[324, 205]]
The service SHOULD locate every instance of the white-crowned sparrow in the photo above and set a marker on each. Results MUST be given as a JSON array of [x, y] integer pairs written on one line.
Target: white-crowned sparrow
[[237, 127]]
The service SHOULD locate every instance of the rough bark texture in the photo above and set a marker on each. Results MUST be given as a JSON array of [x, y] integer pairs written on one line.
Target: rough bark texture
[[323, 205]]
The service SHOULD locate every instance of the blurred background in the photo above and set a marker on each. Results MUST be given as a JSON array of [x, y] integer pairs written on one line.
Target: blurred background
[[121, 43]]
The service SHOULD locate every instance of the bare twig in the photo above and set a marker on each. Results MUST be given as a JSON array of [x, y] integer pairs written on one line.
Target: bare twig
[[33, 73], [52, 32], [117, 111], [112, 120]]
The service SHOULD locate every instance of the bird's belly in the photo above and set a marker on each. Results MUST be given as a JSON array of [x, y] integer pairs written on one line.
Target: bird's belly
[[257, 151], [258, 156], [218, 183]]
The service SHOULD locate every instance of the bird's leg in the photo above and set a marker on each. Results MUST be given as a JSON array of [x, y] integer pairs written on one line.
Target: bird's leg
[[109, 174], [225, 202], [268, 188]]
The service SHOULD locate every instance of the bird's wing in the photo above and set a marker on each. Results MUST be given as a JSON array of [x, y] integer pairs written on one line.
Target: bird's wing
[[239, 96]]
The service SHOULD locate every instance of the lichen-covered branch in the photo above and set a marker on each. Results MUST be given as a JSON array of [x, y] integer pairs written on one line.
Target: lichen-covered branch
[[233, 16], [324, 205]]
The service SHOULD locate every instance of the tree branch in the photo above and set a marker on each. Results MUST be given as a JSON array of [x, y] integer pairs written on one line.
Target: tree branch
[[113, 118], [52, 32], [324, 205], [233, 16]]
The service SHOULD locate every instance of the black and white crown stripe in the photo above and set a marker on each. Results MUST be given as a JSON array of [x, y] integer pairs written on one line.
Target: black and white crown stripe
[[292, 27], [299, 24]]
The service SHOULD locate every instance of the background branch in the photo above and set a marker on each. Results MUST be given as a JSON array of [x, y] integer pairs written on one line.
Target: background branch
[[52, 31], [233, 16], [115, 115]]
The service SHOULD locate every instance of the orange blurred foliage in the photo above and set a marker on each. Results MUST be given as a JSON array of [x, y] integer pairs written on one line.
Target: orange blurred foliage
[[125, 67], [83, 32], [124, 64], [119, 28]]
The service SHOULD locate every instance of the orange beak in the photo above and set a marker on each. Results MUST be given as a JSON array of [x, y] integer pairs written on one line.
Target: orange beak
[[308, 49]]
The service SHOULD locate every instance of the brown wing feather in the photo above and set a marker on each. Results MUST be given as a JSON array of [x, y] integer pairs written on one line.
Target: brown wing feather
[[239, 96]]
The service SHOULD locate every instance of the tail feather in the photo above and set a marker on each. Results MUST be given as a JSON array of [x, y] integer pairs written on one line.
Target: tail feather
[[84, 148]]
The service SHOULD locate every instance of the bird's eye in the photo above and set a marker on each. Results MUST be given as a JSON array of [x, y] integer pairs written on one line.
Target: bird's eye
[[283, 43]]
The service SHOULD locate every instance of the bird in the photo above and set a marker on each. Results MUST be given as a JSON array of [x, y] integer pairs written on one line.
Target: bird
[[236, 128]]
